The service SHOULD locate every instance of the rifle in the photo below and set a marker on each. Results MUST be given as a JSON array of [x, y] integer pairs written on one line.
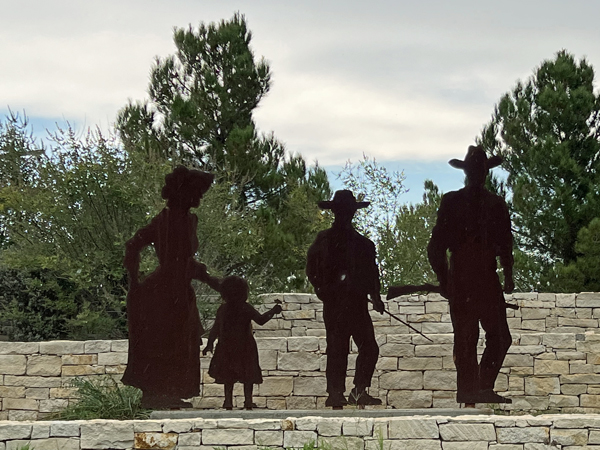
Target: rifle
[[408, 289]]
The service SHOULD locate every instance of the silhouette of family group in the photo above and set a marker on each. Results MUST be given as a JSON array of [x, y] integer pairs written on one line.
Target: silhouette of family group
[[472, 233]]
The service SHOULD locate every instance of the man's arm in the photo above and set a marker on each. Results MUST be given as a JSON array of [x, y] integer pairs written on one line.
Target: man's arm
[[505, 248], [438, 246]]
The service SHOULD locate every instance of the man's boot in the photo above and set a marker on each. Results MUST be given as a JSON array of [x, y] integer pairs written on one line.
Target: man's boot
[[360, 397]]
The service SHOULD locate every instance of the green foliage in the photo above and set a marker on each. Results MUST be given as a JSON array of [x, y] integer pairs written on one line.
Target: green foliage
[[400, 232], [200, 112], [547, 130], [104, 398]]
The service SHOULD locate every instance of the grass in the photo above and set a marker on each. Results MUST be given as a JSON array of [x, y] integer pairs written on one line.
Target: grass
[[103, 398]]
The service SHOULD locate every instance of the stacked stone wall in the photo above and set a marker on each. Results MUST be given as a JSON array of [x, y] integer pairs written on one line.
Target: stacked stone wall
[[553, 364], [349, 433]]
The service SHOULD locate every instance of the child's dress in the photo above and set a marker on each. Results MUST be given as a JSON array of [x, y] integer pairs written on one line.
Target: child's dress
[[235, 358]]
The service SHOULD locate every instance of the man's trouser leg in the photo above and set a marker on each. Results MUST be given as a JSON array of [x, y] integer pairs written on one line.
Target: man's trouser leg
[[338, 347], [497, 343], [368, 351], [465, 322]]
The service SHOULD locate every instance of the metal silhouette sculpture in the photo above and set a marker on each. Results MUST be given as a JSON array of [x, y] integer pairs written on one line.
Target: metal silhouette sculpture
[[164, 324], [474, 225], [341, 266], [235, 358]]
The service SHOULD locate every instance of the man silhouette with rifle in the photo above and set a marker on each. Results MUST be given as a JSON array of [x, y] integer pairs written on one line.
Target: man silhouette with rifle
[[473, 224], [341, 266]]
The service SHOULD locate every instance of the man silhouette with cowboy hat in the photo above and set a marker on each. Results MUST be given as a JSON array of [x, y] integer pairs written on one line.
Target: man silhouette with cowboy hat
[[342, 267], [474, 225]]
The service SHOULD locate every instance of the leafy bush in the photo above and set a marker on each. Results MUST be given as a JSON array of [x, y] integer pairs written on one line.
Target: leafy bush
[[104, 398]]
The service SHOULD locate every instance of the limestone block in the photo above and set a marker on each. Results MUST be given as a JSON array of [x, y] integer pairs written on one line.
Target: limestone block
[[357, 427], [572, 356], [10, 431], [315, 386], [580, 378], [409, 399], [399, 339], [329, 426], [581, 367], [22, 415], [66, 428], [542, 386], [121, 345], [268, 438], [565, 300], [440, 380], [420, 364], [415, 444], [576, 421], [112, 358], [263, 424], [593, 358], [115, 370], [527, 350], [77, 371], [588, 300], [550, 367], [190, 439], [46, 444], [573, 389], [467, 432], [590, 401], [203, 424], [401, 380], [558, 340], [21, 403], [566, 312], [534, 325], [317, 332], [271, 343], [342, 443], [268, 359], [61, 347], [301, 314], [478, 445], [397, 350], [295, 402], [297, 439], [42, 431], [534, 313], [276, 403], [45, 366], [13, 364], [74, 360], [19, 348], [594, 437], [298, 361], [523, 435], [220, 437], [428, 328], [433, 350], [436, 307], [97, 346], [107, 434], [518, 361], [387, 363], [303, 344], [563, 401], [307, 423], [53, 405], [38, 393], [12, 392], [276, 387], [411, 309], [275, 324], [151, 440], [299, 298], [411, 428]]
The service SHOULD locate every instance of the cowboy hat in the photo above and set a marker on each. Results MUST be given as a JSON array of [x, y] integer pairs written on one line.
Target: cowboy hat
[[475, 156], [343, 200]]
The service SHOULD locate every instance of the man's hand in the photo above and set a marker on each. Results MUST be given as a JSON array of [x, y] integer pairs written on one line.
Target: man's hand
[[378, 304], [208, 348], [509, 285]]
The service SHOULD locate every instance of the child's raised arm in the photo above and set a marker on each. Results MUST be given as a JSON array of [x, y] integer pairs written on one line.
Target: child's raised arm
[[261, 319]]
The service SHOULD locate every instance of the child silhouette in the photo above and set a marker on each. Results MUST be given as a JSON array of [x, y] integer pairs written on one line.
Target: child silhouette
[[236, 355]]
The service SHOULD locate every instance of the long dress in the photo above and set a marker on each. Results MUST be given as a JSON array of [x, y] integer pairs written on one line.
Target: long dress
[[236, 355], [164, 325]]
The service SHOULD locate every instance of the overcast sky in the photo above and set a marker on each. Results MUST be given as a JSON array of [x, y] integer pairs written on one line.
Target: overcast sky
[[409, 83]]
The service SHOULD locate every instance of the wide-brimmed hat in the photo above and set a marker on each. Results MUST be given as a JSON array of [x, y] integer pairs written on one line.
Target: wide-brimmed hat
[[343, 200], [476, 156], [183, 181]]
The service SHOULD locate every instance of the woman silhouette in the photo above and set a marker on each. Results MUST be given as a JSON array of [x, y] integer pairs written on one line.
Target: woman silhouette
[[164, 324]]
